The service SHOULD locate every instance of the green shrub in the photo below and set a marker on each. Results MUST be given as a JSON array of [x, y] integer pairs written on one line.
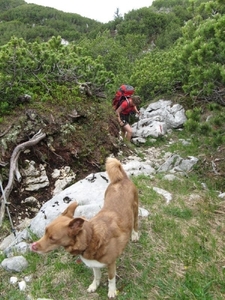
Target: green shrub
[[214, 106], [205, 128], [4, 108], [219, 120], [191, 125], [194, 114]]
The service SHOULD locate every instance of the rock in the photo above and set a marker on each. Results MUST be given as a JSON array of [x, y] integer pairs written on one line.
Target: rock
[[164, 193], [143, 212], [147, 128], [11, 241], [170, 177], [28, 278], [222, 195], [184, 142], [13, 280], [20, 248], [15, 264], [22, 285], [135, 168], [175, 163], [34, 178], [187, 164], [204, 185], [175, 116], [31, 201], [65, 176], [194, 197], [157, 119], [7, 241], [138, 140]]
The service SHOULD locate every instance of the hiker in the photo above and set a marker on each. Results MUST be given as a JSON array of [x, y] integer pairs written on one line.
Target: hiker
[[123, 114]]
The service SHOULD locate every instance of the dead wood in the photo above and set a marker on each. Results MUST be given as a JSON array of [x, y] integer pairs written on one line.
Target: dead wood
[[14, 171], [7, 130]]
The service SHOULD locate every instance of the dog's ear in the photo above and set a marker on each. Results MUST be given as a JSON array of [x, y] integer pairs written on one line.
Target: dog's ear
[[69, 211], [76, 225]]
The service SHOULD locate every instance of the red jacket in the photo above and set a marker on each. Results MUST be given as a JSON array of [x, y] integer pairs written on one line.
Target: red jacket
[[127, 107]]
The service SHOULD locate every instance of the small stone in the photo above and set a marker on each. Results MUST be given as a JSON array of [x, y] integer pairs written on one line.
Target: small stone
[[28, 278], [13, 280], [22, 285], [222, 195]]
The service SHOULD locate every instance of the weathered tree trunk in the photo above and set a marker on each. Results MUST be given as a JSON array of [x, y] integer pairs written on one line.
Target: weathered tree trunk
[[14, 171]]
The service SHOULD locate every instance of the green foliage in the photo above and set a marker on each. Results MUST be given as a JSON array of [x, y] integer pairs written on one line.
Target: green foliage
[[41, 23], [111, 52], [196, 124], [10, 4], [46, 68], [214, 106], [191, 125], [169, 36], [194, 114], [144, 21], [152, 73], [105, 47], [182, 213], [143, 49], [218, 120], [4, 107], [202, 46], [205, 128]]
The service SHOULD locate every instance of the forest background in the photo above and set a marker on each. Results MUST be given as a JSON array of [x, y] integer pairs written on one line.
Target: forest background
[[171, 47]]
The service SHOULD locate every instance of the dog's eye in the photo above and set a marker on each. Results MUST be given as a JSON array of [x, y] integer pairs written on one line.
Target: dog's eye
[[51, 238]]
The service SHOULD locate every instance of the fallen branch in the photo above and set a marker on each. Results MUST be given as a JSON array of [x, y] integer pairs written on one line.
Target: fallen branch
[[7, 130], [220, 212], [14, 172], [214, 168]]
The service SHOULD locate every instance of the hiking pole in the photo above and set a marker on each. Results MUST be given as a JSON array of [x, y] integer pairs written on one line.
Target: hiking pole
[[7, 208]]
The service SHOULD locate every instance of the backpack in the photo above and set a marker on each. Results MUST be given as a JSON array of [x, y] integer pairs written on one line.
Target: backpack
[[124, 92]]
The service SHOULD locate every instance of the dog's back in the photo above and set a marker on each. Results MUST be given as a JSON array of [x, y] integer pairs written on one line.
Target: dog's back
[[120, 209], [121, 192]]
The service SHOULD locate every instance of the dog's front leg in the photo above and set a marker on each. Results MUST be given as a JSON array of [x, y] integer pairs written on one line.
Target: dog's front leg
[[134, 236], [97, 277], [112, 280]]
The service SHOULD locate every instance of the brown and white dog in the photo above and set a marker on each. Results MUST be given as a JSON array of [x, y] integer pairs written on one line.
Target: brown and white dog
[[100, 240]]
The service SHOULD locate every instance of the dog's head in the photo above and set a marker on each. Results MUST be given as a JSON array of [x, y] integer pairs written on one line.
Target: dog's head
[[60, 232]]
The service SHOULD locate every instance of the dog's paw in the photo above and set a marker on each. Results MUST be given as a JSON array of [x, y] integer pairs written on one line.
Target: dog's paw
[[92, 288], [112, 294], [134, 236]]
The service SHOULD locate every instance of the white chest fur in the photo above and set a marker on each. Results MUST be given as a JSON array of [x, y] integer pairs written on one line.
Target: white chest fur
[[92, 263]]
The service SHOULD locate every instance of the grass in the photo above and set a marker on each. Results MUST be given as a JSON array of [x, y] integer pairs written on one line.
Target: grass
[[180, 254]]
